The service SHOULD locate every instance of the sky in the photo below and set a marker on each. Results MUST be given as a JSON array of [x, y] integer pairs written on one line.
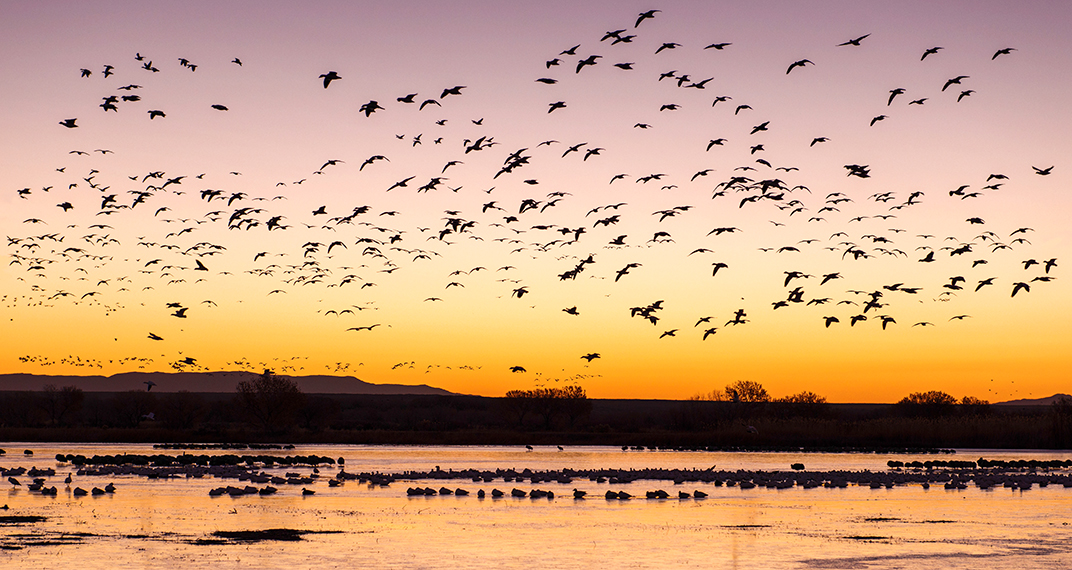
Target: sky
[[314, 259]]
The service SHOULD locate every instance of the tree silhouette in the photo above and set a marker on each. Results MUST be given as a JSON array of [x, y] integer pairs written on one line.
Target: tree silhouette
[[520, 403], [570, 401], [182, 410], [805, 397], [802, 404], [575, 403], [932, 398], [129, 408], [748, 391], [1061, 418], [973, 405], [271, 402], [932, 403], [61, 404]]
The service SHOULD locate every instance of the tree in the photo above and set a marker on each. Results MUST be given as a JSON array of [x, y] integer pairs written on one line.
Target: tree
[[61, 404], [182, 410], [932, 398], [804, 397], [271, 402], [716, 395], [932, 403], [520, 403], [570, 401], [544, 401], [129, 408], [318, 413], [973, 405], [21, 409], [575, 403], [803, 404], [748, 391], [1061, 418]]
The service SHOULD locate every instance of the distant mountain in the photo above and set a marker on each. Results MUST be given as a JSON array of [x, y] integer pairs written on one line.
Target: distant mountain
[[1034, 402], [206, 382]]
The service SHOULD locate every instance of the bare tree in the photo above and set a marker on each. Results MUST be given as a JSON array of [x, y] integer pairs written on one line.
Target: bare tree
[[802, 404], [575, 403], [932, 403], [805, 397], [973, 405], [550, 403], [129, 408], [748, 391], [182, 410], [61, 404], [520, 403], [716, 395], [272, 402]]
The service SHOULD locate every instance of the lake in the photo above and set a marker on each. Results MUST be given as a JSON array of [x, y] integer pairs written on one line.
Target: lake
[[170, 522]]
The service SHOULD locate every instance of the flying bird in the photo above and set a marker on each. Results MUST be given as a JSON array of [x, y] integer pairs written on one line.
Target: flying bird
[[369, 108], [930, 51], [590, 60], [954, 81], [327, 77], [798, 63], [855, 42], [645, 16]]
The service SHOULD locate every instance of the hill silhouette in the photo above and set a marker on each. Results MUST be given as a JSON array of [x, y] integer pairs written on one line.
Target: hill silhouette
[[1034, 401], [209, 382]]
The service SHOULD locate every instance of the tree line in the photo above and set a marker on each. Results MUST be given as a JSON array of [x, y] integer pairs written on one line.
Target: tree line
[[930, 403], [270, 408], [268, 403], [570, 403]]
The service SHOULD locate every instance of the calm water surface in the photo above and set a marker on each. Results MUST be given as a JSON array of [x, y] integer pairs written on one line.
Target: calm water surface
[[157, 523]]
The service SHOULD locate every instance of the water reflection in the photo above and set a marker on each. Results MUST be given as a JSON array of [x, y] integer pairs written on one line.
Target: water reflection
[[168, 522]]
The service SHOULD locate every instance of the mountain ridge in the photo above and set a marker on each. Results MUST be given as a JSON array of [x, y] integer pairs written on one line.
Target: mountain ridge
[[1048, 400], [219, 381]]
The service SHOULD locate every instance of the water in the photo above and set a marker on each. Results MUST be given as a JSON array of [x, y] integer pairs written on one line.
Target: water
[[159, 523]]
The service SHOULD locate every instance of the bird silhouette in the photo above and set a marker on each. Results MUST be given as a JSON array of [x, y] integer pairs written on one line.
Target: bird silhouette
[[930, 51], [854, 42], [795, 64], [328, 77], [645, 16]]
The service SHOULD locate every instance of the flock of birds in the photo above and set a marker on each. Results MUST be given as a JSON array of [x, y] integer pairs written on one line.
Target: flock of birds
[[359, 248]]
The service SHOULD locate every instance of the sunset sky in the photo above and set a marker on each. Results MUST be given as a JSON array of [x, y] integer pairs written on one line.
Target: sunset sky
[[79, 299]]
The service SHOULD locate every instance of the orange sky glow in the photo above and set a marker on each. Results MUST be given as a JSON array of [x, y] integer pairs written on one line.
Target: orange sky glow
[[304, 240]]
